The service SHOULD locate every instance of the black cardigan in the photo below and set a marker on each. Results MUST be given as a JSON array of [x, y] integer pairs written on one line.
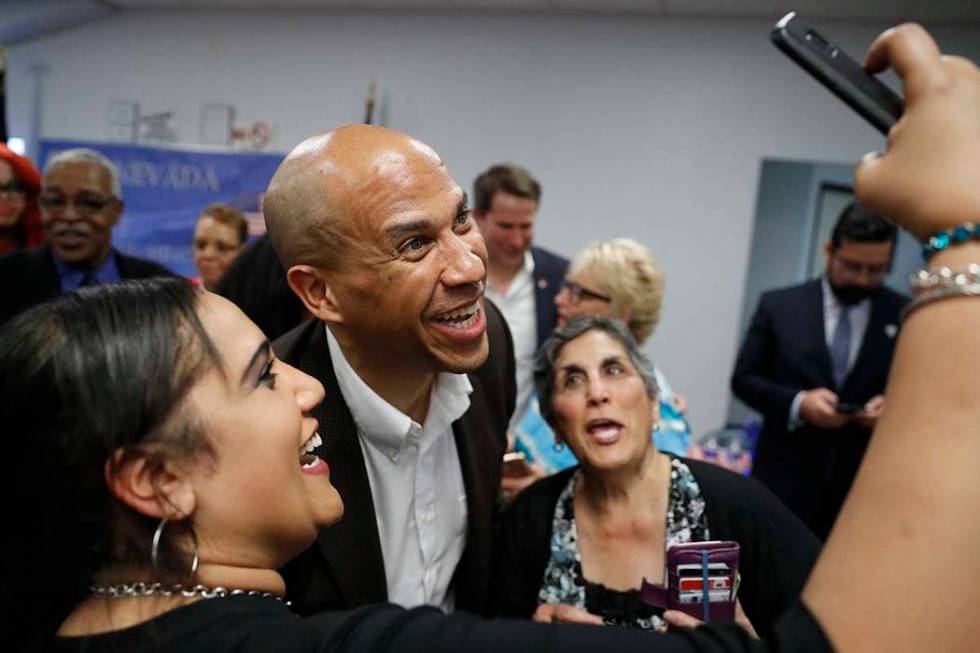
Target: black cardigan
[[777, 549]]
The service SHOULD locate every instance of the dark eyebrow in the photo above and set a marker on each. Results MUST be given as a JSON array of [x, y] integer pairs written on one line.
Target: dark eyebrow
[[261, 357], [571, 367], [399, 229]]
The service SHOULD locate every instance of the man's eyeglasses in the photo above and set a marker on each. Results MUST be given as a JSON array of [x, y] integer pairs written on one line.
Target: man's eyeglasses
[[853, 268], [13, 189], [578, 293], [84, 205]]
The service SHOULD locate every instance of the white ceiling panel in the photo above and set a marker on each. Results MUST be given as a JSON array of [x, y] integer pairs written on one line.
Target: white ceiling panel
[[747, 8], [23, 20], [889, 10], [632, 6], [925, 10], [503, 5], [28, 19]]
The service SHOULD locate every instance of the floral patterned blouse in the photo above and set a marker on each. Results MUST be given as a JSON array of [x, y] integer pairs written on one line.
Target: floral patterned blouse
[[563, 580]]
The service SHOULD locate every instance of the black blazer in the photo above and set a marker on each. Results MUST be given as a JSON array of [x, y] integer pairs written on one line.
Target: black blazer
[[29, 277], [549, 272], [345, 568], [777, 549], [256, 282], [785, 352]]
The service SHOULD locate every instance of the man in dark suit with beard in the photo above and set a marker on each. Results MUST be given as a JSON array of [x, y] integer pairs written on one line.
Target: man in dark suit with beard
[[80, 203], [814, 363], [379, 245]]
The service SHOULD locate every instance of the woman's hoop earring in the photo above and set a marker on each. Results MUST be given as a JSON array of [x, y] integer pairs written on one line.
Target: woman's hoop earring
[[656, 427], [155, 548], [558, 447]]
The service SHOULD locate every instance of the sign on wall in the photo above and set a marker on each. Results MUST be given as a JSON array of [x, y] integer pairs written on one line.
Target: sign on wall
[[164, 190]]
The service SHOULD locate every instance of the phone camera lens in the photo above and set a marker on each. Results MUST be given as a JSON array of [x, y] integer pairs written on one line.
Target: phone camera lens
[[812, 36]]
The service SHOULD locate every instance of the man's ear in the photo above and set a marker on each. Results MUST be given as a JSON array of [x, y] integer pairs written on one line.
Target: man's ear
[[150, 486], [313, 290], [828, 250]]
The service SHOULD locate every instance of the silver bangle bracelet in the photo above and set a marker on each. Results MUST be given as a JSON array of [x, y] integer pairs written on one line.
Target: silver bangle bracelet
[[932, 285]]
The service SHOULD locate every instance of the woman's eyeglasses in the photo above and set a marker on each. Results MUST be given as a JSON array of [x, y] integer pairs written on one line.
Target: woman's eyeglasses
[[13, 190], [578, 293]]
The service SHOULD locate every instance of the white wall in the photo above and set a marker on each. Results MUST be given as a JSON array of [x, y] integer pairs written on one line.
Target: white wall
[[642, 127]]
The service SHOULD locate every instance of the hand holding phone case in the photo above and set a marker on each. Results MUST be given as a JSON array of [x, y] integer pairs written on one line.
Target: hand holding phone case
[[702, 581]]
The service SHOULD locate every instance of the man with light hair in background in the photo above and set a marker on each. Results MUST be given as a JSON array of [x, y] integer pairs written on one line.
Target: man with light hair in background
[[81, 202]]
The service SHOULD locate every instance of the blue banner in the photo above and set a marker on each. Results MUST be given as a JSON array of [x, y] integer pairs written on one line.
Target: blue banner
[[164, 191]]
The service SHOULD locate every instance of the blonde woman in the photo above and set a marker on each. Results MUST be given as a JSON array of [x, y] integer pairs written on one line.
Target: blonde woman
[[616, 278]]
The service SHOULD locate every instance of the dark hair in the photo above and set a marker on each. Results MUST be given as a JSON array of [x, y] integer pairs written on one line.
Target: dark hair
[[228, 216], [857, 224], [94, 372], [506, 178], [544, 363], [256, 282]]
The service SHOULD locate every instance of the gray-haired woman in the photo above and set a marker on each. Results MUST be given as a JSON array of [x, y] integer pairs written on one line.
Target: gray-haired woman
[[577, 545]]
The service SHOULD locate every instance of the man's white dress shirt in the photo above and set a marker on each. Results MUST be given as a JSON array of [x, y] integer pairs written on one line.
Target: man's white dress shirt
[[416, 482], [859, 315], [520, 311]]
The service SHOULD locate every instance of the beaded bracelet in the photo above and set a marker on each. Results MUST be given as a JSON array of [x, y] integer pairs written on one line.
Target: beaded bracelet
[[931, 285], [953, 236]]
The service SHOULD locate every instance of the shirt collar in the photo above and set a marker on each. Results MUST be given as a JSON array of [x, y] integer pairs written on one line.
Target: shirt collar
[[528, 261], [383, 425], [70, 276]]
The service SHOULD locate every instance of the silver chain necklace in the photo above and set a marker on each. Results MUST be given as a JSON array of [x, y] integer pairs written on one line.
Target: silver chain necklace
[[140, 589]]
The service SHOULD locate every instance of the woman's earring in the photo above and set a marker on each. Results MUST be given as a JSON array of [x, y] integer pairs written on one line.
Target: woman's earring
[[558, 447], [656, 427], [155, 547]]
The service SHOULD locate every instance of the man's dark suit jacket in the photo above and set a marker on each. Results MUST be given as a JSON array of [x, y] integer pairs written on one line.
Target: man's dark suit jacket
[[785, 352], [345, 568], [549, 272], [29, 277]]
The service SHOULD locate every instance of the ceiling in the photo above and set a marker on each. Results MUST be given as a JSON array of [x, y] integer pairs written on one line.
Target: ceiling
[[24, 20]]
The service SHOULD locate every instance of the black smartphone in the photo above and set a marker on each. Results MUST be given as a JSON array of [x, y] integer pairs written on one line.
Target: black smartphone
[[849, 409], [836, 70]]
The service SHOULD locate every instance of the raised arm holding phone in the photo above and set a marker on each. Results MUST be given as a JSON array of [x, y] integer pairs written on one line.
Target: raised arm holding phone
[[911, 511]]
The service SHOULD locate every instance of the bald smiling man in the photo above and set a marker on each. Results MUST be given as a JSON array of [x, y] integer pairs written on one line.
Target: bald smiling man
[[418, 368]]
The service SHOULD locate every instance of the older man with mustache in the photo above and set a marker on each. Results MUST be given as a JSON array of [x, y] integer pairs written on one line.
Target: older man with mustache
[[80, 204]]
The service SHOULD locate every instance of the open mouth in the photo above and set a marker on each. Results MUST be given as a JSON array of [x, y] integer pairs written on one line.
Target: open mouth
[[603, 430], [461, 318], [307, 459]]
